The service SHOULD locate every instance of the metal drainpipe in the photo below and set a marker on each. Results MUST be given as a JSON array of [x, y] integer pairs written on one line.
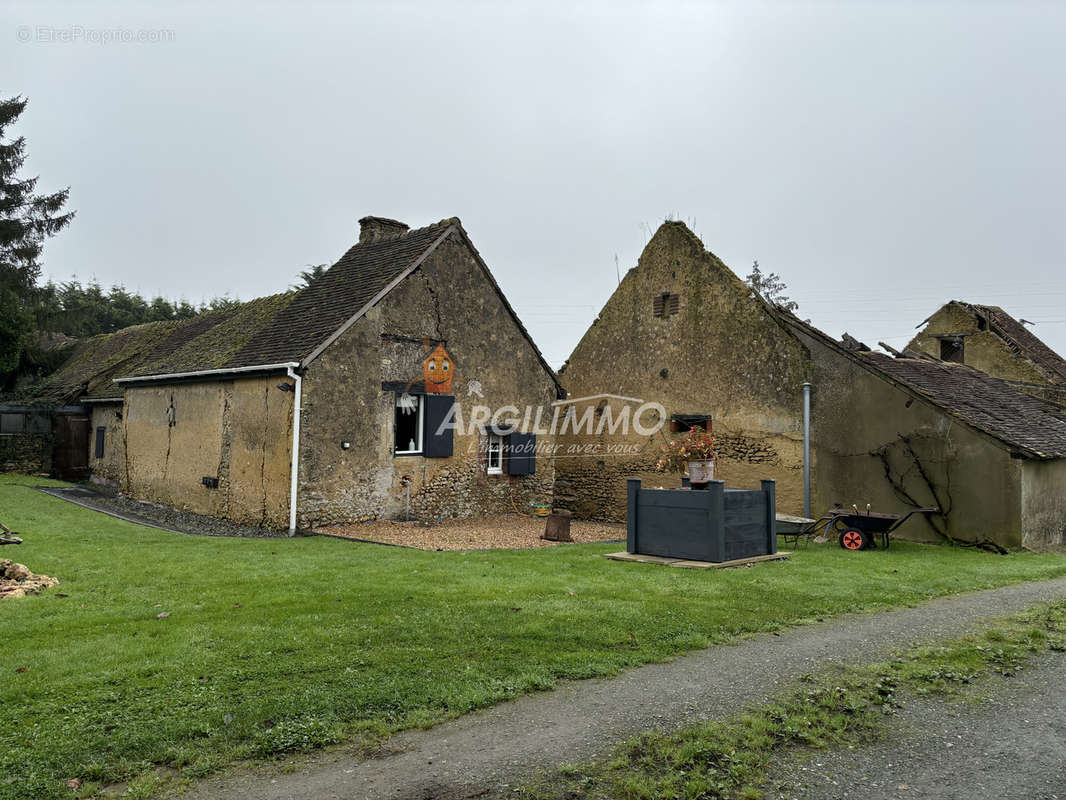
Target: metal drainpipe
[[294, 470], [806, 449]]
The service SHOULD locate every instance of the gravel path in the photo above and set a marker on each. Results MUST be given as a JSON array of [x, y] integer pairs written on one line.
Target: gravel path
[[479, 754], [479, 533], [157, 516], [1011, 745]]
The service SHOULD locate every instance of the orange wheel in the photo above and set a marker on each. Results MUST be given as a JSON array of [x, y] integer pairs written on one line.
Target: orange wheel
[[854, 540]]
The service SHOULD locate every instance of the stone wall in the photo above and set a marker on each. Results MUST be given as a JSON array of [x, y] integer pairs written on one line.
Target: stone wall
[[28, 453], [723, 354], [237, 432], [349, 396]]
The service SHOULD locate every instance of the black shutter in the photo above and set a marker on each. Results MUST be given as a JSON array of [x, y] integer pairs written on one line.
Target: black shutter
[[437, 410], [521, 454], [100, 433]]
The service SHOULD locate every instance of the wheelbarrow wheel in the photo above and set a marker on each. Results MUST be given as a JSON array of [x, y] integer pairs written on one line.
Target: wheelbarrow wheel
[[852, 539]]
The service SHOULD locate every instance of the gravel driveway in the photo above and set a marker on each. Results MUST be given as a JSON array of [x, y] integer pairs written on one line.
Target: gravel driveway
[[479, 754]]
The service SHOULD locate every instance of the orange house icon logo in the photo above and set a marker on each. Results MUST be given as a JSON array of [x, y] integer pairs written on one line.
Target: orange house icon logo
[[438, 369]]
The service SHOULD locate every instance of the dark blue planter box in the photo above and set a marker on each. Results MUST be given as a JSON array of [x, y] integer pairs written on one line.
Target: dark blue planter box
[[716, 524]]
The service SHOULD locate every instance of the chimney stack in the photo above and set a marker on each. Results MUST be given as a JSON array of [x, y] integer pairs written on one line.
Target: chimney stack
[[378, 229]]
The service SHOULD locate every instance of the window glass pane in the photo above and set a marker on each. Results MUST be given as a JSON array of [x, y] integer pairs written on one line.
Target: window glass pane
[[408, 423], [495, 459]]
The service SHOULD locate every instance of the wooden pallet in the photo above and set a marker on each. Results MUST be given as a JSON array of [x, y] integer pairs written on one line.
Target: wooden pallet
[[686, 564]]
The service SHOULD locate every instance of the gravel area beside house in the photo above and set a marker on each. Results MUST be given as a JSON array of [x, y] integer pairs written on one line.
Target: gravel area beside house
[[506, 531], [158, 516]]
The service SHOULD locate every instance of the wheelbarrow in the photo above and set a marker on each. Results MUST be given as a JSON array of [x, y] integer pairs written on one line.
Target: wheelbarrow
[[859, 529]]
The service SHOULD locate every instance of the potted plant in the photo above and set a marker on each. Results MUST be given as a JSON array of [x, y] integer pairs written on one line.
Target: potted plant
[[693, 452]]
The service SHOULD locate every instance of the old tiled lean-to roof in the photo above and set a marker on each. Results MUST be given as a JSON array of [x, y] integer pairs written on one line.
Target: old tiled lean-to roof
[[269, 331], [1020, 421], [989, 404]]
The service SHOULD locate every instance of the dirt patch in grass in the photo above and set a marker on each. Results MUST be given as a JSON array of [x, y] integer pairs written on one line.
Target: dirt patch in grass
[[507, 531]]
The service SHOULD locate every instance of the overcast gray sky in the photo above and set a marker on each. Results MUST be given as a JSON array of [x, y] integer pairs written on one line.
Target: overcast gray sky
[[882, 157]]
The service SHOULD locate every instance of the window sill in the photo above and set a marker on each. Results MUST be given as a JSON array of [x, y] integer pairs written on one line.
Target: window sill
[[408, 453]]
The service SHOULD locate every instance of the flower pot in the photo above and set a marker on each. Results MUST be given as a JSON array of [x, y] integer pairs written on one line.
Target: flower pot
[[701, 471]]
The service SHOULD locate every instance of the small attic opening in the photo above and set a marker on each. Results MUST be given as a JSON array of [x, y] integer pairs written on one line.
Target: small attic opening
[[953, 349], [665, 304]]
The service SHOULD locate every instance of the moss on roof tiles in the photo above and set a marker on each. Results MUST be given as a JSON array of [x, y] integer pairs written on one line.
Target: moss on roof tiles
[[223, 334], [95, 362]]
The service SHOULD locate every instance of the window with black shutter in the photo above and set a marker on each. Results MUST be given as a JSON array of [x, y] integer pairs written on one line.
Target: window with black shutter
[[101, 434], [440, 423], [521, 454], [407, 424]]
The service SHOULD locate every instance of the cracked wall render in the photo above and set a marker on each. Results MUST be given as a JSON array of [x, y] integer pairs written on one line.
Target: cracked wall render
[[447, 298], [237, 431], [1043, 505], [855, 414]]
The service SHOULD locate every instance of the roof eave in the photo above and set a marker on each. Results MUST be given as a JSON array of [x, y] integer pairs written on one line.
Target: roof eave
[[872, 368], [206, 373]]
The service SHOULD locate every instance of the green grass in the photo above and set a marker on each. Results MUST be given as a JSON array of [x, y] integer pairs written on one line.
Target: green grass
[[839, 707], [280, 645]]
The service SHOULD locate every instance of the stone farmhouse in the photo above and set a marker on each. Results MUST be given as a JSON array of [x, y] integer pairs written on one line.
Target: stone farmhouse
[[325, 405], [894, 432], [991, 340]]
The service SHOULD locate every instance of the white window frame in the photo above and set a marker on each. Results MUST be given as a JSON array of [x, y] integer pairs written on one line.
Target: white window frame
[[419, 425], [489, 468]]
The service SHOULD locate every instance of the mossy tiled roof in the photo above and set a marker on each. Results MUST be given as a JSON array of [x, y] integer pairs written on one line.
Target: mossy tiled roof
[[332, 299], [213, 341], [280, 329], [95, 362]]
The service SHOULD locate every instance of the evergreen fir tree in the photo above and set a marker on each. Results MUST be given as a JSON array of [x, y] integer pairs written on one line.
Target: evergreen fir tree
[[27, 219]]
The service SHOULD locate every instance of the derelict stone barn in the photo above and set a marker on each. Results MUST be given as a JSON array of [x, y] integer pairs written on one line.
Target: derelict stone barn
[[901, 432], [682, 330], [897, 433], [990, 339], [403, 331]]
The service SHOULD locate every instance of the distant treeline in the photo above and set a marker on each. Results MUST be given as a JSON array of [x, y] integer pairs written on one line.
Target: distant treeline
[[60, 314], [81, 311]]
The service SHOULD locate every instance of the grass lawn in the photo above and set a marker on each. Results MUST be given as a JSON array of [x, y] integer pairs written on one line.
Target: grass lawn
[[276, 645]]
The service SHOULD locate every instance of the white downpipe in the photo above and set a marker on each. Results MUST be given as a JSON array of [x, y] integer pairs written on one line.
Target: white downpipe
[[294, 470], [807, 450]]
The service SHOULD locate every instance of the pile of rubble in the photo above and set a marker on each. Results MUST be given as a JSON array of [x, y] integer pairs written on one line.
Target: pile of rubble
[[16, 580]]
